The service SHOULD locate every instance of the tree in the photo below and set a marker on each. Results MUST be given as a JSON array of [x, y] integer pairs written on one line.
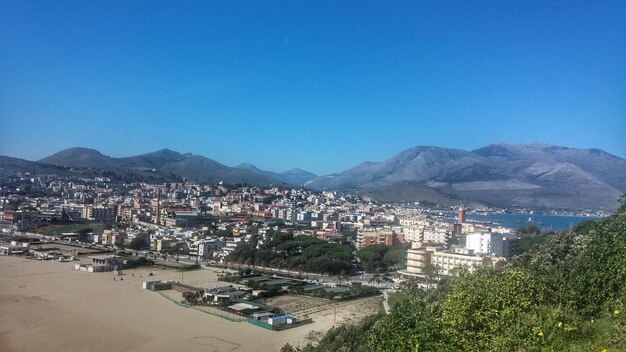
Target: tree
[[343, 277], [485, 309], [288, 348], [395, 257], [372, 257], [567, 295], [65, 216], [344, 338], [191, 298], [410, 285], [410, 327], [138, 243], [83, 234], [432, 273], [375, 279]]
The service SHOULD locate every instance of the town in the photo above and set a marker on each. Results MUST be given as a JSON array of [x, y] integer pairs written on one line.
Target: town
[[303, 176], [262, 241], [209, 224]]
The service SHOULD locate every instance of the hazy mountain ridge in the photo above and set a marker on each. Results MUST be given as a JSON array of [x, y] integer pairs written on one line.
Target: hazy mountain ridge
[[409, 192], [293, 177], [525, 175], [172, 164], [9, 166]]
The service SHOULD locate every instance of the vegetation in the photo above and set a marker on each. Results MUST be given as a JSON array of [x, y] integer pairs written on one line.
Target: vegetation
[[531, 229], [139, 242], [397, 299], [344, 338], [529, 242], [135, 262], [347, 293], [565, 295], [299, 253], [191, 298], [83, 234], [96, 228], [380, 257]]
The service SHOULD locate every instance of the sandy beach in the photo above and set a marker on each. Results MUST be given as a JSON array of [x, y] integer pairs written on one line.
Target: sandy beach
[[48, 306]]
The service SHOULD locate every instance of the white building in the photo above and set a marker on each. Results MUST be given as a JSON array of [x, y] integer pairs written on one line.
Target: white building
[[202, 248], [14, 248], [413, 233], [419, 257], [437, 235], [485, 243]]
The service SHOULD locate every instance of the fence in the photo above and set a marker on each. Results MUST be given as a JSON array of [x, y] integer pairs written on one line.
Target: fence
[[259, 323], [173, 300], [267, 326], [223, 315], [207, 310]]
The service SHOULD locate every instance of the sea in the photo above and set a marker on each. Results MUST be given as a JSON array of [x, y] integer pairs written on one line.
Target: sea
[[519, 220], [544, 222]]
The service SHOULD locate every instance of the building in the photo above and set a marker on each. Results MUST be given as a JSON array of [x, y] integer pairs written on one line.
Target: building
[[112, 238], [202, 248], [448, 261], [223, 295], [485, 243], [14, 248], [436, 235], [413, 233], [161, 244], [102, 263], [419, 257], [99, 213], [386, 236], [157, 285], [462, 215]]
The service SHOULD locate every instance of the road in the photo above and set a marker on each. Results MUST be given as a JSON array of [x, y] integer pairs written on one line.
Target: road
[[364, 279]]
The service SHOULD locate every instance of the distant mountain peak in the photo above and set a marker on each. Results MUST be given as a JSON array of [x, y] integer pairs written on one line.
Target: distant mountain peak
[[78, 150], [246, 165], [166, 150], [79, 157], [527, 175], [297, 170]]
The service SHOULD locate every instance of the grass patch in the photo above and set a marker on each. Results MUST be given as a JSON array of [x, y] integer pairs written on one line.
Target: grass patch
[[56, 229], [397, 298]]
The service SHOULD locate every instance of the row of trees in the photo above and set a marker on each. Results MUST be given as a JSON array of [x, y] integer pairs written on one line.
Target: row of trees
[[567, 294], [380, 257], [299, 253]]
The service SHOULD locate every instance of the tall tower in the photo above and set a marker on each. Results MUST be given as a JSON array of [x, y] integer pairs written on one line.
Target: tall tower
[[461, 215], [158, 208]]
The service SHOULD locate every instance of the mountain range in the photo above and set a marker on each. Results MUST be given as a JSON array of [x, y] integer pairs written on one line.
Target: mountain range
[[509, 175], [168, 162]]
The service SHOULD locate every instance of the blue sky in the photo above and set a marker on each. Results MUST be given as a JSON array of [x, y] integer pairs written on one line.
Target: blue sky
[[321, 85]]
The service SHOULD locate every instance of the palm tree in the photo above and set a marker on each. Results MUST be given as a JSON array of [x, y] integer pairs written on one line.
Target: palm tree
[[371, 280], [375, 279], [341, 278], [379, 280]]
